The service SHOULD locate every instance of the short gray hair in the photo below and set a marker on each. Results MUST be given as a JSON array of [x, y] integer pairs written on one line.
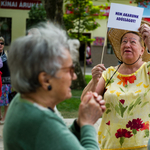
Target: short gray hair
[[33, 31], [32, 54]]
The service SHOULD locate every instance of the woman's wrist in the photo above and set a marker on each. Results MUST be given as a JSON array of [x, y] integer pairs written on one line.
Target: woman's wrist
[[94, 84]]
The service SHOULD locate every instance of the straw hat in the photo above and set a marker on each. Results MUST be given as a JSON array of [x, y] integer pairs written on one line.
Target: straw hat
[[114, 36]]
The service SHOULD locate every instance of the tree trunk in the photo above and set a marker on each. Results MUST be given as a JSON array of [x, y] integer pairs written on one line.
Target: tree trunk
[[80, 82], [54, 10], [50, 7], [59, 12], [85, 58]]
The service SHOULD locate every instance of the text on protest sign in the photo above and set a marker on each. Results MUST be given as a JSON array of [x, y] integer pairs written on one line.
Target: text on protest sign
[[125, 17]]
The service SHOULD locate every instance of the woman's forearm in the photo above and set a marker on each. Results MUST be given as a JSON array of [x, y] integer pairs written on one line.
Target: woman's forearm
[[90, 87]]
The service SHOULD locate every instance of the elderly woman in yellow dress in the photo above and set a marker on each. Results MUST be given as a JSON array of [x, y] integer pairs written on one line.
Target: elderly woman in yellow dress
[[42, 70], [126, 90]]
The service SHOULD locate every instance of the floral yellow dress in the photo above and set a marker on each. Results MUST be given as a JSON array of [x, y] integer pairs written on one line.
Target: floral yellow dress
[[125, 123]]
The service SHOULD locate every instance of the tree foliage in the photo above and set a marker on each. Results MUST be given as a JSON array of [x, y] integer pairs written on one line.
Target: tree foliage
[[37, 14], [82, 17]]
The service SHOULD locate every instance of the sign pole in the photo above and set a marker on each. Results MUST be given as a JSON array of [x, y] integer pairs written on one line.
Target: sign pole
[[104, 47]]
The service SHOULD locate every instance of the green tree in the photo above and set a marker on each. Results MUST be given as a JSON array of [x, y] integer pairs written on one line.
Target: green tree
[[37, 14], [49, 10], [83, 17]]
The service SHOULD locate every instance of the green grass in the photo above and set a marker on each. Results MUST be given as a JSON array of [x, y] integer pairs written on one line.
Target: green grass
[[88, 78], [69, 108]]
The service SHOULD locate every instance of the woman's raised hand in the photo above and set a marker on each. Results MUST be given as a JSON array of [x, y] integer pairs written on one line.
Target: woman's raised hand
[[91, 109], [97, 72], [145, 31]]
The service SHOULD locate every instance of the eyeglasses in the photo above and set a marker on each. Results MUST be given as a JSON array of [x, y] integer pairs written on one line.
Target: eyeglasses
[[2, 43], [72, 69]]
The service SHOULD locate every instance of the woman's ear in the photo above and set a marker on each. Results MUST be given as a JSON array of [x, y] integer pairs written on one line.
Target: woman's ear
[[44, 78], [142, 51]]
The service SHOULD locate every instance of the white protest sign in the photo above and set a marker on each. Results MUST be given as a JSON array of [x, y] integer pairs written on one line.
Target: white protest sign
[[125, 17]]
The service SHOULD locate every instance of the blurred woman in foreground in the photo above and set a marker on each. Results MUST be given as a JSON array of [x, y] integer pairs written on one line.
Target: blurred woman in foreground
[[42, 70]]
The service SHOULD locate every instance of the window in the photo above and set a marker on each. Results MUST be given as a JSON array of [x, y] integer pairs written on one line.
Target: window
[[5, 29]]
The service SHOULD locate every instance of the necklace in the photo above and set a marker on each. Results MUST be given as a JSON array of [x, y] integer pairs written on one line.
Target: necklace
[[133, 62]]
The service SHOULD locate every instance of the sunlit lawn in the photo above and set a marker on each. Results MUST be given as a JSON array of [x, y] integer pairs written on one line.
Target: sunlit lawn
[[69, 108]]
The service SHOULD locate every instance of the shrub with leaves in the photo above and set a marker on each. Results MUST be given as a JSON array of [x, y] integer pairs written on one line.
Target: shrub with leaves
[[82, 17], [37, 14]]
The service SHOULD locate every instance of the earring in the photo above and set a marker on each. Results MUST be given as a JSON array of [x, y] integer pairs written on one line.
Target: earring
[[49, 88]]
